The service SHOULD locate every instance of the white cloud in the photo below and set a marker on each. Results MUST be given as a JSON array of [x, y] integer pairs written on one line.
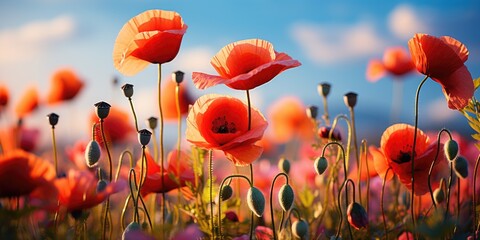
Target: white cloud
[[31, 39], [195, 60], [404, 22], [336, 43], [439, 112]]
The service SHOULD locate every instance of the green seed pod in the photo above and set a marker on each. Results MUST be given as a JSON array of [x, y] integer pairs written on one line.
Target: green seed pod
[[92, 153], [438, 195], [284, 165], [286, 197], [350, 99], [127, 90], [324, 89], [300, 229], [451, 149], [101, 185], [256, 201], [144, 137], [460, 166], [102, 109], [226, 192], [320, 165], [131, 228]]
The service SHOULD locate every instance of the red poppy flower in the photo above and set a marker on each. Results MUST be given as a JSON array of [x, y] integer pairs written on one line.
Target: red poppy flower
[[245, 65], [218, 122], [65, 85], [153, 36], [19, 137], [76, 154], [22, 173], [442, 59], [153, 181], [78, 190], [169, 104], [117, 126], [28, 103], [4, 96], [289, 120], [396, 61]]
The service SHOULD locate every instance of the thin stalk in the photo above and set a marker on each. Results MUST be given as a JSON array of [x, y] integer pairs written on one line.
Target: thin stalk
[[210, 170], [143, 176], [450, 180], [458, 206], [179, 137], [355, 149], [271, 204], [133, 111], [159, 90], [251, 166], [349, 138], [364, 144], [326, 117], [107, 202], [474, 208], [120, 161], [381, 203], [433, 164], [54, 144]]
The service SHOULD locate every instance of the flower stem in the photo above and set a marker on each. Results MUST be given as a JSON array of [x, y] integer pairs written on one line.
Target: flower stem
[[271, 204], [433, 164], [381, 203], [134, 114], [474, 208], [355, 149], [210, 170], [250, 165], [159, 90], [179, 138], [54, 144], [107, 202], [450, 180], [326, 117]]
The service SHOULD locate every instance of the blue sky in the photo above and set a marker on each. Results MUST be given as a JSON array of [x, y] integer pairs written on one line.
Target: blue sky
[[332, 39]]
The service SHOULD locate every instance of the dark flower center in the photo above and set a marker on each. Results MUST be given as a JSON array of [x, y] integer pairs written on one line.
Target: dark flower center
[[221, 125], [403, 157]]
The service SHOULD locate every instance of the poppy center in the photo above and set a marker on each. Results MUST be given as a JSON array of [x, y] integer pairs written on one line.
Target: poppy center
[[221, 125], [403, 157]]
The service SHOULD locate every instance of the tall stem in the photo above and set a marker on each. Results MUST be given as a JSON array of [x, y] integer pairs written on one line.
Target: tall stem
[[179, 138], [433, 164], [474, 193], [210, 170], [381, 203], [325, 110], [159, 90], [110, 175], [412, 199], [271, 204], [355, 149], [450, 180], [250, 165], [133, 112], [54, 144]]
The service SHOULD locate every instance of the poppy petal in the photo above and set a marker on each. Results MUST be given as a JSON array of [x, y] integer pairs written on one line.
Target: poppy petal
[[375, 70], [380, 163], [459, 48], [458, 88], [244, 154]]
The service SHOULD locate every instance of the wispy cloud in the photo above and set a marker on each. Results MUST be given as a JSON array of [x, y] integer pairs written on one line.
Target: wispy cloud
[[439, 112], [195, 59], [404, 21], [28, 41]]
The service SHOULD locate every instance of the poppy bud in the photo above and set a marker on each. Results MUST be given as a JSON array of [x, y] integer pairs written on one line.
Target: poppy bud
[[177, 76], [286, 197], [144, 137], [438, 195], [312, 112], [300, 229], [226, 192], [103, 109], [131, 228], [451, 149], [152, 122], [324, 133], [324, 89], [284, 165], [53, 119], [232, 216], [92, 153], [460, 166], [357, 216], [256, 201], [350, 99], [101, 185], [127, 90], [320, 165]]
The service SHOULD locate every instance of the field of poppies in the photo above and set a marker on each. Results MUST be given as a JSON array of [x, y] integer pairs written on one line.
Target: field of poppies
[[310, 178]]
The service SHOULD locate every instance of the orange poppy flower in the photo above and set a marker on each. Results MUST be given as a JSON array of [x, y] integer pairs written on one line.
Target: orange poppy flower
[[117, 126], [4, 96], [153, 36], [28, 103], [153, 181], [65, 85], [19, 137], [169, 104], [218, 122], [22, 173], [288, 119], [245, 65], [396, 61], [78, 190], [442, 59]]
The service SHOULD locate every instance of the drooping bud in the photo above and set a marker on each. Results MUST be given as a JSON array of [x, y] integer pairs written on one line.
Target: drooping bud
[[177, 76], [127, 90], [324, 89], [312, 112], [286, 197], [92, 153], [320, 165], [226, 192], [300, 229], [460, 166], [152, 122], [324, 133], [129, 232], [53, 119], [144, 137], [350, 99], [103, 109], [357, 216], [438, 195], [256, 201], [451, 149], [284, 165], [101, 185]]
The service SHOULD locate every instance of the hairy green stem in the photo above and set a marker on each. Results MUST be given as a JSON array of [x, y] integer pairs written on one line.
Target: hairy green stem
[[271, 204]]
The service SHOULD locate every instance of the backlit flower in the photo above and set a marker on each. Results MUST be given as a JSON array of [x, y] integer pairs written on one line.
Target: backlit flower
[[19, 137], [396, 61], [245, 65], [64, 85], [169, 104], [28, 102], [153, 36], [218, 122], [442, 59], [117, 126], [4, 96]]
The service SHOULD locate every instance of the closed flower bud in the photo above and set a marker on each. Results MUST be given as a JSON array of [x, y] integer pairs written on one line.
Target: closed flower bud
[[357, 216], [451, 149], [131, 228], [324, 133], [232, 216], [102, 109], [284, 165], [152, 122], [226, 192], [323, 89], [286, 197], [144, 137], [320, 165], [312, 112], [101, 185], [92, 153], [300, 229], [127, 90], [178, 76], [350, 99], [256, 201], [438, 195], [460, 166], [53, 119]]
